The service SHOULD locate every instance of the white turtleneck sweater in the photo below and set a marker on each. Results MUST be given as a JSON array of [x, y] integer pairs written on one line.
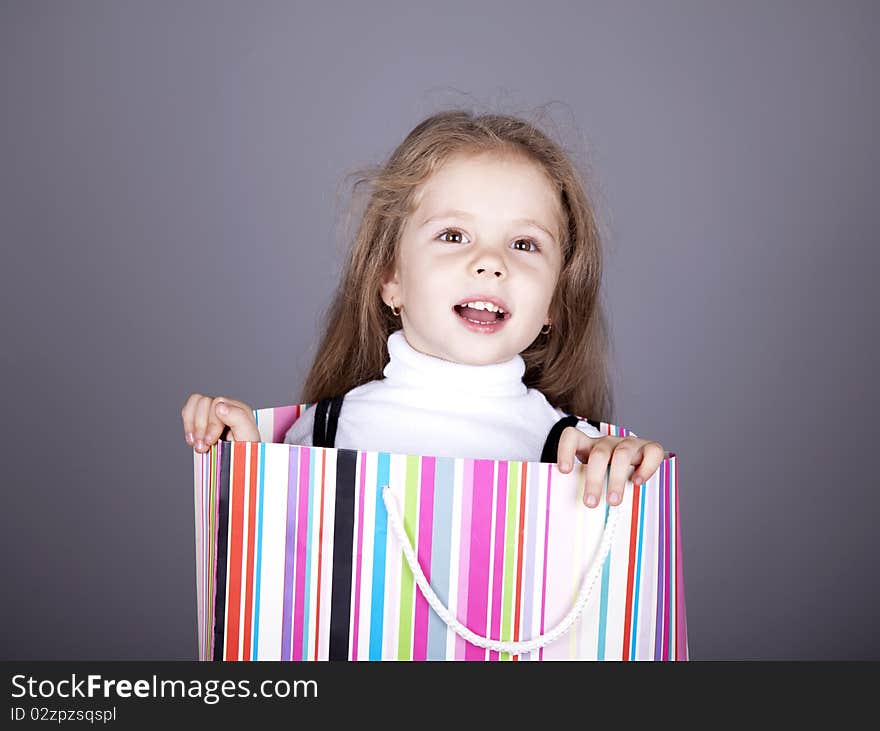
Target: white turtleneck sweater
[[429, 406]]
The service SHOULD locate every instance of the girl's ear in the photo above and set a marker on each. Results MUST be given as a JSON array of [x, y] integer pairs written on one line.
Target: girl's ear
[[390, 288]]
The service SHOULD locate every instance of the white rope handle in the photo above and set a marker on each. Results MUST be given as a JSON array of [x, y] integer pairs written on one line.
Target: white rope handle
[[512, 648]]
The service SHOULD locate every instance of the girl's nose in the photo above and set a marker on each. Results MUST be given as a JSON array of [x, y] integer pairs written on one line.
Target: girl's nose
[[489, 263], [498, 272]]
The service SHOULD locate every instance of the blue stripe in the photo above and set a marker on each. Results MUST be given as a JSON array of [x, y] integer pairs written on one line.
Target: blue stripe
[[603, 600], [444, 482], [260, 490], [658, 636], [377, 593], [635, 621]]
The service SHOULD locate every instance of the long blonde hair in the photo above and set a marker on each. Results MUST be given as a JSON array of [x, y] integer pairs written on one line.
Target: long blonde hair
[[569, 365]]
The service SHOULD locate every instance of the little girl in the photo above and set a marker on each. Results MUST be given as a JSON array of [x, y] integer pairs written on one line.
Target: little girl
[[467, 322]]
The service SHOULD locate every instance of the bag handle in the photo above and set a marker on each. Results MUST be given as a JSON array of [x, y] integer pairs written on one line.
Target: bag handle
[[512, 648]]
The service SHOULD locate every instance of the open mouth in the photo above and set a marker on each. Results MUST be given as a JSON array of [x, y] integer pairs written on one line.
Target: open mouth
[[482, 313], [479, 312]]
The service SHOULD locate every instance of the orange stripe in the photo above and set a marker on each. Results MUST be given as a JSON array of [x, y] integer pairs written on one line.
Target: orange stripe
[[320, 541], [630, 575], [252, 530], [236, 517], [519, 553]]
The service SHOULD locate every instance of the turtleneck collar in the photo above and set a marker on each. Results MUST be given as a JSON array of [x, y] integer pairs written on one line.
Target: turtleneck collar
[[408, 368]]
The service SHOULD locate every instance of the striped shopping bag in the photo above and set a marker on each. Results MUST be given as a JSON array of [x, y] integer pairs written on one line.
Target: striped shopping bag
[[307, 553]]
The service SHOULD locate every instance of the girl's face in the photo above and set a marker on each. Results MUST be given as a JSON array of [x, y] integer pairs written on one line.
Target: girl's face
[[483, 231]]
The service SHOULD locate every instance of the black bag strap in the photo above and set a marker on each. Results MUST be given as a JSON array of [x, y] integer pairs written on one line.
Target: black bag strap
[[319, 428], [333, 418], [551, 446], [326, 420]]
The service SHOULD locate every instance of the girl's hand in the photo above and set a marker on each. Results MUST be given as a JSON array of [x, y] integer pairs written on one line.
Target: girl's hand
[[205, 417], [624, 453]]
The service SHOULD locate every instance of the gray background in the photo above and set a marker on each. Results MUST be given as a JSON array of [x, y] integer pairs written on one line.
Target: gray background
[[169, 219]]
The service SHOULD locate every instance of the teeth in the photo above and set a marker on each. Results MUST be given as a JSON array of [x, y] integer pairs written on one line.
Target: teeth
[[478, 305]]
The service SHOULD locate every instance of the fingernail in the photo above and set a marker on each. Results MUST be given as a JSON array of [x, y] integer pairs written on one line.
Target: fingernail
[[614, 498], [200, 445], [566, 466], [189, 438], [591, 501], [221, 409]]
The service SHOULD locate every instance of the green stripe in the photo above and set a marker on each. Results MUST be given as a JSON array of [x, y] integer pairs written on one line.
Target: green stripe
[[513, 476], [410, 520]]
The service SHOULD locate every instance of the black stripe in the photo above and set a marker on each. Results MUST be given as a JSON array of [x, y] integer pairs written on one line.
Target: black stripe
[[222, 550], [333, 420], [551, 446], [343, 540], [319, 429]]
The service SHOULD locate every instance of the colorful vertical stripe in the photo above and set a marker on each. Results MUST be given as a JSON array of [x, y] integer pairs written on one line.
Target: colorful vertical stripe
[[295, 560]]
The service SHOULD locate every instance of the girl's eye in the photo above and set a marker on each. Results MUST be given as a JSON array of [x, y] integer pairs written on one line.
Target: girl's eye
[[531, 245], [451, 231], [528, 243]]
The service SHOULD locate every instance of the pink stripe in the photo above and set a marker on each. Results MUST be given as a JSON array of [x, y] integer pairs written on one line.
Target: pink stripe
[[481, 540], [546, 544], [667, 573], [360, 546], [464, 551], [426, 522], [500, 525], [206, 567], [214, 476], [302, 540], [680, 613], [282, 419]]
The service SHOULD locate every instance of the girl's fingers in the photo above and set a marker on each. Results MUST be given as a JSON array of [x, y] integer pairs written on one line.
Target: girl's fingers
[[200, 422], [568, 443], [203, 423], [187, 414], [237, 415], [597, 467], [573, 443], [625, 455], [217, 421], [242, 424], [652, 455], [595, 452]]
